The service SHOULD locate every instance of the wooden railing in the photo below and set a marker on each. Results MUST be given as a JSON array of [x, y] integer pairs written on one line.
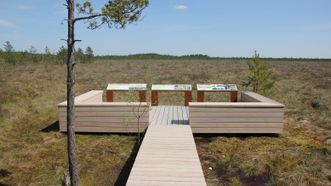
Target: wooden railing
[[93, 115], [254, 114]]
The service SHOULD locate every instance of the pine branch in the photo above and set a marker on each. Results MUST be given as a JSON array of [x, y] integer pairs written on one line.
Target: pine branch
[[87, 17]]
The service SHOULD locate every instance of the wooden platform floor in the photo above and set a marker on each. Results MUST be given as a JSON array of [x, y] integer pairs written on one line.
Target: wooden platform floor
[[168, 155], [169, 115]]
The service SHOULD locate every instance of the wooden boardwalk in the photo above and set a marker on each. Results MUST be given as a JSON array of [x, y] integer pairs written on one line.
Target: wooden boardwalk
[[169, 115], [168, 155]]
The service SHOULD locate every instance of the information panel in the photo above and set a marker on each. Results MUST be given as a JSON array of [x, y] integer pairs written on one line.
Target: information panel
[[126, 86], [217, 87], [172, 87]]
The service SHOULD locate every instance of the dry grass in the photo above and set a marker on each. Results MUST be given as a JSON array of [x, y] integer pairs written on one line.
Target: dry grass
[[33, 156]]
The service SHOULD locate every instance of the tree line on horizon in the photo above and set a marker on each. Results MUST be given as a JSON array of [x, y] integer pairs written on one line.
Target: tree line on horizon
[[198, 56], [9, 55]]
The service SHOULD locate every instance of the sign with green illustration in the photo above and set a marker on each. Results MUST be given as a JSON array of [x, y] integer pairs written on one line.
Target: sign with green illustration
[[126, 86], [217, 87], [173, 87]]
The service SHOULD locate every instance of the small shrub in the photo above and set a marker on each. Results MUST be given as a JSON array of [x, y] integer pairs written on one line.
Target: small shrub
[[259, 77], [235, 182], [315, 103]]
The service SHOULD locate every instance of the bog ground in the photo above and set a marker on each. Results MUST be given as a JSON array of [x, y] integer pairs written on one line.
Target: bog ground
[[33, 152]]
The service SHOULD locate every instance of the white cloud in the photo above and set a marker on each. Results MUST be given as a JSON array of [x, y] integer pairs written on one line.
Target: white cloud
[[5, 24], [181, 7], [24, 7]]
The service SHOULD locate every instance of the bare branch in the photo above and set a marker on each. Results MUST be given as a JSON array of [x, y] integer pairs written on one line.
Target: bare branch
[[87, 17]]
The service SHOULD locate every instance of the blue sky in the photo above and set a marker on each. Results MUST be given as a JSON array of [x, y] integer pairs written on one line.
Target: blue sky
[[275, 28]]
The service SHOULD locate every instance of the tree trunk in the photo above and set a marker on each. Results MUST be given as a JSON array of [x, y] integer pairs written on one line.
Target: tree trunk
[[73, 168]]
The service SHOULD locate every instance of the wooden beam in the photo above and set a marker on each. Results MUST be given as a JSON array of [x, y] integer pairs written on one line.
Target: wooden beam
[[200, 96], [110, 96], [155, 101]]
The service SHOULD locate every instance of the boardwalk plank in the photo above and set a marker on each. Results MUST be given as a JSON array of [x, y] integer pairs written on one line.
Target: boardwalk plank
[[169, 115], [168, 155], [175, 119]]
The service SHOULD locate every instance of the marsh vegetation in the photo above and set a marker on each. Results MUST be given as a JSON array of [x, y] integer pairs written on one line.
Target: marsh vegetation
[[33, 151]]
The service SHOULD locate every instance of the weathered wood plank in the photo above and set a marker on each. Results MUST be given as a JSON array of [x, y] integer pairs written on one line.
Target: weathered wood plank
[[235, 115], [236, 125], [232, 110], [185, 116], [261, 115], [236, 104], [254, 97], [86, 97], [167, 156], [152, 114], [167, 183], [101, 108], [165, 115], [179, 173], [92, 115], [166, 166], [238, 130], [106, 129], [106, 124], [108, 119], [180, 115], [187, 112], [171, 115], [160, 120], [175, 119], [169, 178], [237, 120], [109, 114]]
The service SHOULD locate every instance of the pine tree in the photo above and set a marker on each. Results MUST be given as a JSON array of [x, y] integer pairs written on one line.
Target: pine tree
[[116, 13], [32, 50], [62, 55], [8, 47], [79, 55], [9, 50], [260, 76], [46, 56], [47, 51], [89, 54]]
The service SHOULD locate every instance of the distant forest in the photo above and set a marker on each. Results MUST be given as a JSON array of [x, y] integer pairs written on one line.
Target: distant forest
[[8, 55], [197, 56]]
